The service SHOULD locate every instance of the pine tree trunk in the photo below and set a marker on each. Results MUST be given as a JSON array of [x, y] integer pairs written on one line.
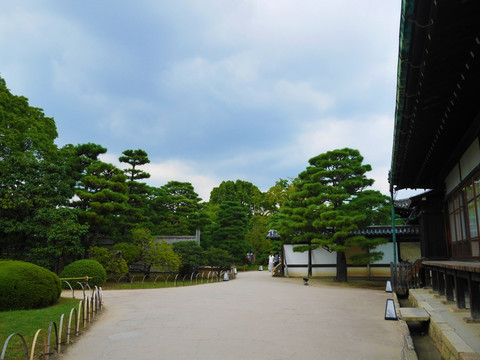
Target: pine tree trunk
[[309, 263], [341, 267]]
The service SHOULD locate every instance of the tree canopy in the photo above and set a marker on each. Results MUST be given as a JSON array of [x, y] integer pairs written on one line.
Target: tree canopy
[[33, 174], [230, 231], [329, 204], [178, 209], [243, 192]]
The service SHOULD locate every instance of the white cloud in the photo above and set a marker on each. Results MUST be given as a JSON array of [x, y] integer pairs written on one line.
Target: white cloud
[[301, 94], [290, 29], [235, 80], [178, 170], [371, 135]]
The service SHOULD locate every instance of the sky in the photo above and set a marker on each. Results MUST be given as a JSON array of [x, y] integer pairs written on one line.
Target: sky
[[212, 90]]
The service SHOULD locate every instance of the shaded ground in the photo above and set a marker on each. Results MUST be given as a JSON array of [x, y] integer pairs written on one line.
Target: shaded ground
[[253, 317]]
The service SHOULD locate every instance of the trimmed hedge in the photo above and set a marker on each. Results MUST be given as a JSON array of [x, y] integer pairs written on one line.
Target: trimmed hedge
[[81, 268], [27, 286]]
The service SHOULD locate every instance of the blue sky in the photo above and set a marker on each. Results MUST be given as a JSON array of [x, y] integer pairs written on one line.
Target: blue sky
[[212, 90]]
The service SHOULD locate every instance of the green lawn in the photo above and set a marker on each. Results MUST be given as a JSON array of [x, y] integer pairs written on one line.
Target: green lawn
[[27, 322]]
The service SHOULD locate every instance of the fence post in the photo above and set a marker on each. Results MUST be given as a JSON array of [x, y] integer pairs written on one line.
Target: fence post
[[5, 345], [59, 344], [47, 355], [71, 288], [35, 343]]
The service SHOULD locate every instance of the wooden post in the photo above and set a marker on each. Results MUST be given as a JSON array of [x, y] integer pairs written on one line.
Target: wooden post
[[449, 282], [460, 292], [441, 282]]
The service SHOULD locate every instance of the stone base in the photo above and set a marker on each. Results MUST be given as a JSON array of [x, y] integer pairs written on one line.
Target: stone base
[[445, 302], [457, 310], [470, 320]]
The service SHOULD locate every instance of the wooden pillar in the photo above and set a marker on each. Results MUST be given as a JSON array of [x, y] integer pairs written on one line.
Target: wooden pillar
[[422, 282], [428, 278], [441, 282], [460, 292], [474, 292], [450, 285], [435, 279]]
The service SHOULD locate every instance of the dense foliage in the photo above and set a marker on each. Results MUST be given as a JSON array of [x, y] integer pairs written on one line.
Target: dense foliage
[[87, 267], [191, 255], [27, 286], [229, 234], [154, 255], [112, 261]]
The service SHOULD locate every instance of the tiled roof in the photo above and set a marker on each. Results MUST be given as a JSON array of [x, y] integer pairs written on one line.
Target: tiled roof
[[387, 230]]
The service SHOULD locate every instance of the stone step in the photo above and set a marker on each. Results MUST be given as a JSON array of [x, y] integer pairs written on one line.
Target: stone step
[[414, 314]]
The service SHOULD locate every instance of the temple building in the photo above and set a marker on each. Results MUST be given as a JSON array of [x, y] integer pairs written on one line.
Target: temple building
[[436, 140]]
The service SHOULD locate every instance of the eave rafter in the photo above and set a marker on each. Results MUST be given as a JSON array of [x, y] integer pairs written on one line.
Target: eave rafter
[[437, 85]]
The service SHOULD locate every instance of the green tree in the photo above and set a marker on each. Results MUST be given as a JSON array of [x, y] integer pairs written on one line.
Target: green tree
[[80, 157], [230, 231], [243, 192], [256, 238], [135, 158], [113, 263], [103, 195], [191, 254], [58, 238], [178, 209], [136, 213], [219, 259], [155, 255], [129, 252], [329, 205], [33, 174], [277, 194], [211, 215]]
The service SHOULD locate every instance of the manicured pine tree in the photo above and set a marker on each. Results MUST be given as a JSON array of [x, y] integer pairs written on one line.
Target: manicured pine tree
[[329, 204], [137, 210]]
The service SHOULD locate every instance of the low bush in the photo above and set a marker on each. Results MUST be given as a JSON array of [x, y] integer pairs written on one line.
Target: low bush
[[81, 268], [27, 286]]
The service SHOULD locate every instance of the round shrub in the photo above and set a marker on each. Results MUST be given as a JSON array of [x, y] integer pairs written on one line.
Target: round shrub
[[81, 268], [27, 286]]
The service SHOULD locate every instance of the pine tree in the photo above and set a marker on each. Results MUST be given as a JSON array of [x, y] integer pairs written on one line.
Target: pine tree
[[230, 230], [329, 204]]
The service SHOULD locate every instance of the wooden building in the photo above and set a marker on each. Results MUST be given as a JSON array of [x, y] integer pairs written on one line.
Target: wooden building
[[436, 140]]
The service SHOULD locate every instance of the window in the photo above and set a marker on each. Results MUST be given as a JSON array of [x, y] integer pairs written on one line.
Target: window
[[463, 220]]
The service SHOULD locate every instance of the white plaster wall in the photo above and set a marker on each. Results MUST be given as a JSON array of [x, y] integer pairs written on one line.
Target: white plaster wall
[[470, 159], [321, 256], [453, 179], [294, 258], [387, 253]]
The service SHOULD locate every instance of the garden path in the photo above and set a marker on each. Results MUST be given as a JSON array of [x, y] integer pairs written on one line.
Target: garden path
[[252, 317]]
